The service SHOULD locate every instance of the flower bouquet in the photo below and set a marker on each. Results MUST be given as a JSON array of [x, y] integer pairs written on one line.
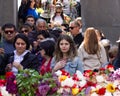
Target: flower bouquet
[[103, 82], [48, 85], [29, 82]]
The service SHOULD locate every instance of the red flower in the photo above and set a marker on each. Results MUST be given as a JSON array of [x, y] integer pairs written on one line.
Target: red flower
[[2, 82], [8, 74], [110, 66], [42, 70], [75, 77], [90, 83], [102, 69], [101, 91], [74, 86], [65, 73], [0, 94], [89, 73]]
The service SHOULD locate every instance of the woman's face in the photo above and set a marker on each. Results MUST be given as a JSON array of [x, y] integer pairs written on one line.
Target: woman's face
[[58, 12], [40, 38], [20, 46], [64, 46], [25, 31], [42, 52], [32, 3]]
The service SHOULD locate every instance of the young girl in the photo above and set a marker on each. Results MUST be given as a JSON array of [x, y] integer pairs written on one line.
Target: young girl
[[66, 56]]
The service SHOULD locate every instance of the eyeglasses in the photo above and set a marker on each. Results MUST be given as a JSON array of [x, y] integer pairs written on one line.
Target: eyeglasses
[[72, 28], [22, 31], [9, 32]]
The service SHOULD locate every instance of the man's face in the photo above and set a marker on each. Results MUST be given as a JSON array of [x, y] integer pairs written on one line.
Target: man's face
[[30, 20], [9, 34], [73, 29], [41, 26]]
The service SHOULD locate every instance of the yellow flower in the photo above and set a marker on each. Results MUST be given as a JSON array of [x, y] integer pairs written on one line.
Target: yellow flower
[[75, 91], [110, 87], [62, 78]]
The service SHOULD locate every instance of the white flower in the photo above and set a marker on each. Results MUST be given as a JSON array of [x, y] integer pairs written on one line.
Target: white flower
[[116, 83], [4, 92], [82, 83], [93, 89], [98, 86], [60, 90], [116, 93], [67, 82], [79, 75], [107, 93], [100, 79], [94, 94], [119, 87], [58, 73]]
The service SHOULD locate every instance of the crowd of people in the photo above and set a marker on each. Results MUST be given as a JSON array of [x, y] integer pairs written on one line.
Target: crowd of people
[[55, 41]]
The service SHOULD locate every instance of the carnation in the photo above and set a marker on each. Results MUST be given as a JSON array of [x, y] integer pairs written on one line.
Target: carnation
[[82, 83], [67, 82]]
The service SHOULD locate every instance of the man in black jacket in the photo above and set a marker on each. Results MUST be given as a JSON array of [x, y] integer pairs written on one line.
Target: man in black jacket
[[75, 30]]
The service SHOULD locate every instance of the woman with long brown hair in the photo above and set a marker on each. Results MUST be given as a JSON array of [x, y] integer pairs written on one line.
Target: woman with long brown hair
[[66, 56], [91, 52]]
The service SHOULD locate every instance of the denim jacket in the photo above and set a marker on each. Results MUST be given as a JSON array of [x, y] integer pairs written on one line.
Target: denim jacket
[[71, 66]]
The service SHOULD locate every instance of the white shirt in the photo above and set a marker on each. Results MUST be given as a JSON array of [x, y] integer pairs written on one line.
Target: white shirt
[[18, 58], [58, 20]]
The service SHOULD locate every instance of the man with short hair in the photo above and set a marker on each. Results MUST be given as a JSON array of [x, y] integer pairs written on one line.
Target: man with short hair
[[9, 33], [30, 20], [41, 24], [74, 28]]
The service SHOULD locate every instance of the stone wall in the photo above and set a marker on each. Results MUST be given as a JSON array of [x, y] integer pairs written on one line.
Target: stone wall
[[8, 11], [102, 14]]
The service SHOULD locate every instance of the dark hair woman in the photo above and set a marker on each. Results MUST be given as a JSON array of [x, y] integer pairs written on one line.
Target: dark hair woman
[[21, 58], [47, 48]]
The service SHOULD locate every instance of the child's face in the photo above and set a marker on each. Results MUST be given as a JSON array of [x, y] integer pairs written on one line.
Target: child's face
[[64, 46]]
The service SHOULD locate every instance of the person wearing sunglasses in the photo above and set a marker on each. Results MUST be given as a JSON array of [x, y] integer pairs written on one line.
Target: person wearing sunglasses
[[26, 28], [75, 30], [59, 17], [9, 33]]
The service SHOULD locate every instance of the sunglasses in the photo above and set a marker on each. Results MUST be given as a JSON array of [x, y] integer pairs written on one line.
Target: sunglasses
[[22, 31], [9, 32]]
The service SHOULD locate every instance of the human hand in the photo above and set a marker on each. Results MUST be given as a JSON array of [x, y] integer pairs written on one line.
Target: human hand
[[8, 68], [1, 51], [59, 65], [18, 65]]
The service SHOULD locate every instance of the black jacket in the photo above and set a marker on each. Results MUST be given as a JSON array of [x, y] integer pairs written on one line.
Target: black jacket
[[30, 61], [117, 62], [78, 39]]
